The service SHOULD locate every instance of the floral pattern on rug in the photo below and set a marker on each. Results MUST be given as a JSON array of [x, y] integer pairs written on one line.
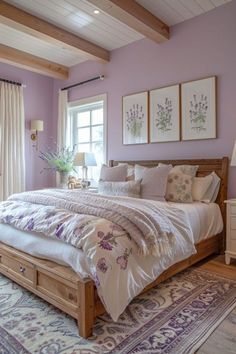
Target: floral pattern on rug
[[168, 319]]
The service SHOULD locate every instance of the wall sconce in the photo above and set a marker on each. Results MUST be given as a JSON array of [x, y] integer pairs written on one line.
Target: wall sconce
[[36, 126]]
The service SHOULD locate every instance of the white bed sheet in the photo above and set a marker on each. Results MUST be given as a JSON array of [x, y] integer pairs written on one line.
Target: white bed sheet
[[40, 246], [205, 221]]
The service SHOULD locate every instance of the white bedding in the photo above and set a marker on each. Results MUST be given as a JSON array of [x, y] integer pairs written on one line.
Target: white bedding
[[205, 221], [200, 221]]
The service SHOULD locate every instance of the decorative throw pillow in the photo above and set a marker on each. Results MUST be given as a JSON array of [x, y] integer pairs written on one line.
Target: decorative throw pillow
[[154, 180], [130, 171], [190, 170], [200, 186], [127, 189], [179, 188], [113, 174], [213, 190]]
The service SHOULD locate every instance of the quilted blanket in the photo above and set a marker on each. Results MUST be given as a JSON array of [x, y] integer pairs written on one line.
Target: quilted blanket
[[113, 232], [146, 224]]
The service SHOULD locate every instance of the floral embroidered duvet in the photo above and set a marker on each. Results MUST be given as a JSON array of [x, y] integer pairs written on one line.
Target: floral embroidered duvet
[[128, 242]]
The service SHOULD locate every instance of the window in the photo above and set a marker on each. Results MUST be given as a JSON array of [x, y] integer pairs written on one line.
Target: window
[[88, 123]]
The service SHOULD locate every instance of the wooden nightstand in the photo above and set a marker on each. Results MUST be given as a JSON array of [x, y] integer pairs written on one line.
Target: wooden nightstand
[[230, 251]]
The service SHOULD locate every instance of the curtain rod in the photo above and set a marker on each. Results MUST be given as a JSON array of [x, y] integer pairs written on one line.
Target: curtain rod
[[12, 82], [100, 77]]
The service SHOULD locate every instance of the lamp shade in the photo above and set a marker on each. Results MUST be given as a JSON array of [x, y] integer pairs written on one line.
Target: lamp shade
[[233, 158], [85, 159], [36, 124]]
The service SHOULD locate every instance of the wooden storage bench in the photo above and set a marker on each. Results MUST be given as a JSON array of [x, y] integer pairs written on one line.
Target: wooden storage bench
[[57, 284]]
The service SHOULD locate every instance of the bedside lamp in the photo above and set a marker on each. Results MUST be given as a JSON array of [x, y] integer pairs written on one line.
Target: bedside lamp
[[85, 159], [36, 126], [233, 158]]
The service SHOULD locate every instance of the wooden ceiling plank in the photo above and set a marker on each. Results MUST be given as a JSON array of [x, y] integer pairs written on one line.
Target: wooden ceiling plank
[[135, 16], [30, 24], [32, 63]]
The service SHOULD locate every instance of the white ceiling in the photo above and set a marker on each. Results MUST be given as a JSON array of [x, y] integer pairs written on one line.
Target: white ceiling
[[77, 16], [175, 11]]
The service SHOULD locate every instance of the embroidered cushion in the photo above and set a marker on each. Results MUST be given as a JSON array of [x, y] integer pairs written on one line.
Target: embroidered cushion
[[127, 189], [179, 188], [190, 170], [187, 169]]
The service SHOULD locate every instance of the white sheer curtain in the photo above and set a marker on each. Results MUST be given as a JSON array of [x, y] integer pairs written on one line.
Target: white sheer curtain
[[12, 140], [63, 123]]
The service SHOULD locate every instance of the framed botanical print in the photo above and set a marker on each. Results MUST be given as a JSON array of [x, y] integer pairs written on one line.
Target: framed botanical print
[[165, 114], [199, 109], [135, 118]]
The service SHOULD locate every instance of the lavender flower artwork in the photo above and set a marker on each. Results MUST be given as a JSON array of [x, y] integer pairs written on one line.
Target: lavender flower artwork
[[198, 103], [135, 115], [198, 113], [135, 120], [164, 116]]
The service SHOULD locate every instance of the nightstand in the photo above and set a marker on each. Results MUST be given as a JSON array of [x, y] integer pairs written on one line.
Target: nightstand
[[230, 251]]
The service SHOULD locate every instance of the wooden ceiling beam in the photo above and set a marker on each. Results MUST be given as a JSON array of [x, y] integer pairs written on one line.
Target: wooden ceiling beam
[[32, 63], [136, 17], [30, 24]]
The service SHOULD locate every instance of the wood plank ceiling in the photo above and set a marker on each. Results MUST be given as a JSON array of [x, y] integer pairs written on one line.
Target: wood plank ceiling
[[117, 24]]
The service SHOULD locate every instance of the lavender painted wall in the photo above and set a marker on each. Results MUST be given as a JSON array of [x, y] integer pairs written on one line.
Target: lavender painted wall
[[38, 104], [200, 47]]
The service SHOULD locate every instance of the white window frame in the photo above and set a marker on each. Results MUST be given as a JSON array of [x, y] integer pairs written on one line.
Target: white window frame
[[89, 100]]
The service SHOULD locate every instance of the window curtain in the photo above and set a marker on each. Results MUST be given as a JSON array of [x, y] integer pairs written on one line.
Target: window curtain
[[12, 140], [63, 126], [63, 123]]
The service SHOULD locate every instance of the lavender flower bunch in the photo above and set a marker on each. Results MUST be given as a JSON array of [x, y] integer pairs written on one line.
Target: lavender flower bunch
[[61, 160]]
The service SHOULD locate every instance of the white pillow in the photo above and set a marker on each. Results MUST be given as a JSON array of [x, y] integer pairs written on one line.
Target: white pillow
[[213, 190], [154, 180], [127, 189], [113, 174], [200, 186]]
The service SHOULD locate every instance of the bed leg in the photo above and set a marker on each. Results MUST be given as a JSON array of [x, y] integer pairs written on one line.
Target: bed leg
[[86, 313]]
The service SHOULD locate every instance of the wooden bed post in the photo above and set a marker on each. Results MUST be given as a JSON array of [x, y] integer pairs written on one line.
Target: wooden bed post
[[86, 313]]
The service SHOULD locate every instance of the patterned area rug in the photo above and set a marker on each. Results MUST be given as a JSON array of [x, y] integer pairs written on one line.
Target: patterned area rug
[[174, 318]]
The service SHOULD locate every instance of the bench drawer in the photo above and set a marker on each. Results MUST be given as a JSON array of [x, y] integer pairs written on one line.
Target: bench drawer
[[22, 269], [56, 288]]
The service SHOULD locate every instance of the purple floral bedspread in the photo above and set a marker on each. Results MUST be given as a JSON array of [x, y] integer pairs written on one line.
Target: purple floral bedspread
[[119, 270]]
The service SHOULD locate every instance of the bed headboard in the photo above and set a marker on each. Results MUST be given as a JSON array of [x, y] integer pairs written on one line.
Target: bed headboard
[[206, 166]]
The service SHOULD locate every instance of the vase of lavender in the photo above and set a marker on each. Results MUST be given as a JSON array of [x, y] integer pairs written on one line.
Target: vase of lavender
[[60, 161]]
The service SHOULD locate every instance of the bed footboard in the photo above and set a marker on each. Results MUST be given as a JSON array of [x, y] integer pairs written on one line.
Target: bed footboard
[[57, 284]]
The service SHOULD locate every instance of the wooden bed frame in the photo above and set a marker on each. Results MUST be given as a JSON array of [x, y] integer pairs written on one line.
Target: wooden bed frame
[[62, 287]]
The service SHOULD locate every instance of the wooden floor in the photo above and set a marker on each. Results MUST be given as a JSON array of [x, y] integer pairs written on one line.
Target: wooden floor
[[223, 339]]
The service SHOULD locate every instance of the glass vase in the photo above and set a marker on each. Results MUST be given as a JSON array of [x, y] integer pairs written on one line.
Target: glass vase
[[63, 180]]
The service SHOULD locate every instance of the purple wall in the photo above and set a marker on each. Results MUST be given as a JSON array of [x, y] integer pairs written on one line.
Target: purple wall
[[38, 105], [200, 47]]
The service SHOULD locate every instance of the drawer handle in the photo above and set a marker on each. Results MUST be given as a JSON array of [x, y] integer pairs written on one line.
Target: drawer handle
[[71, 297], [22, 270]]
